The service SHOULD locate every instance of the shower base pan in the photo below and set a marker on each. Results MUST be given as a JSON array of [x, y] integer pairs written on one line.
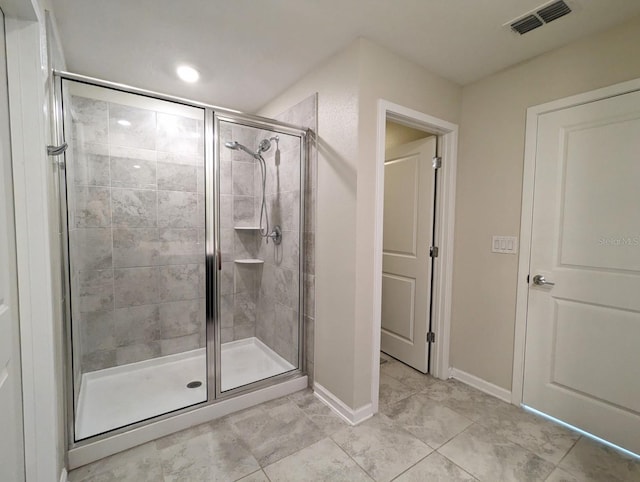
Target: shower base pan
[[116, 397]]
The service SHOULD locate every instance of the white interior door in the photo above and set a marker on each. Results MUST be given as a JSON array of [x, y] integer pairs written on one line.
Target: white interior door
[[409, 180], [582, 357], [11, 438]]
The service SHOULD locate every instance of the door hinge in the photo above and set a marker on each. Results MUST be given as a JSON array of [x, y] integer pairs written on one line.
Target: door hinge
[[437, 162], [431, 337], [433, 251]]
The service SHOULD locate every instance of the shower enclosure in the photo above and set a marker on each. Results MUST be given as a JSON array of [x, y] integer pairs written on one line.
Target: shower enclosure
[[183, 246]]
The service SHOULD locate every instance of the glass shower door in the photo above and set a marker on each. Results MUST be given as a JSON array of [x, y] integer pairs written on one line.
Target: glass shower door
[[134, 180], [261, 169]]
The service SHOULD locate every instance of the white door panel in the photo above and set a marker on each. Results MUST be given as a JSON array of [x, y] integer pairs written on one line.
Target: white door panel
[[582, 355], [11, 438], [406, 278]]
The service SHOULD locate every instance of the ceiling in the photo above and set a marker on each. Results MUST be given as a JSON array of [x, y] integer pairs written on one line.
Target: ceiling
[[248, 51]]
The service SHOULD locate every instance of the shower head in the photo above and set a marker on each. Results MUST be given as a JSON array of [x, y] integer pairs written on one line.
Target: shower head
[[235, 145], [265, 145]]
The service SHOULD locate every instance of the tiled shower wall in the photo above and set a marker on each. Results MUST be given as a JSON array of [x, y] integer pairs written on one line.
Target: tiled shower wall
[[135, 182], [262, 300]]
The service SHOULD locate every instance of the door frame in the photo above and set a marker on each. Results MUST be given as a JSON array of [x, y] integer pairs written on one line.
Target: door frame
[[526, 219], [445, 212]]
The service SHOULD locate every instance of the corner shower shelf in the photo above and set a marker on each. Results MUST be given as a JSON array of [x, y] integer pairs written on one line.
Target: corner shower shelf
[[248, 261], [247, 228]]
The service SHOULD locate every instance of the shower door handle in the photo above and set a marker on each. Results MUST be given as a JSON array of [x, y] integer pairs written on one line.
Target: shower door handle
[[219, 256]]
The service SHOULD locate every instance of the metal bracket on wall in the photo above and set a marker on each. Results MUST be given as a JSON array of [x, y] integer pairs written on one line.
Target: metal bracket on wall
[[437, 162]]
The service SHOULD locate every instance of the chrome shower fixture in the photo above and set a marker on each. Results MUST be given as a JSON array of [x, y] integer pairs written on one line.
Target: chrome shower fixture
[[265, 145]]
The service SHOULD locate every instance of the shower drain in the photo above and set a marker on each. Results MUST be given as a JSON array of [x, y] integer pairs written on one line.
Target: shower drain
[[194, 384]]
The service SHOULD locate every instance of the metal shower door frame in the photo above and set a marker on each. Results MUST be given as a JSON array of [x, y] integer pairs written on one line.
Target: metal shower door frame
[[212, 117]]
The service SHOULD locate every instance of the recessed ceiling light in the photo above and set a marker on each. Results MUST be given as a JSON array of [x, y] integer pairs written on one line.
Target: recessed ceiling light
[[188, 74], [124, 122]]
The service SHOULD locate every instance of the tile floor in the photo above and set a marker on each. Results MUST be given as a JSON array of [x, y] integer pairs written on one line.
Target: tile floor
[[427, 429]]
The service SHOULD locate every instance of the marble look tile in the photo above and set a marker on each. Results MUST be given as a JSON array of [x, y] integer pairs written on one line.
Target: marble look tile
[[180, 158], [559, 475], [245, 244], [177, 177], [95, 290], [284, 209], [542, 437], [90, 164], [244, 308], [179, 246], [258, 476], [286, 287], [133, 247], [136, 324], [92, 207], [275, 430], [243, 211], [226, 311], [464, 399], [90, 119], [180, 318], [201, 210], [210, 454], [319, 413], [227, 278], [382, 449], [435, 468], [177, 209], [591, 461], [392, 390], [286, 324], [309, 258], [226, 186], [408, 376], [139, 464], [180, 344], [178, 282], [136, 286], [430, 421], [245, 278], [140, 132], [226, 334], [201, 179], [309, 295], [91, 249], [226, 213], [133, 168], [242, 178], [98, 360], [135, 353], [180, 134], [310, 211], [243, 331], [134, 208], [323, 460], [488, 456], [97, 331]]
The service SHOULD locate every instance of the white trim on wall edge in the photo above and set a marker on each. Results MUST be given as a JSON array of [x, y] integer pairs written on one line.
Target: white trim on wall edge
[[481, 384], [526, 217], [100, 449], [443, 268], [64, 476], [352, 417]]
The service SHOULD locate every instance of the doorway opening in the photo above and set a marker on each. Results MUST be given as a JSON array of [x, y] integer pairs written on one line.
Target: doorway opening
[[415, 193]]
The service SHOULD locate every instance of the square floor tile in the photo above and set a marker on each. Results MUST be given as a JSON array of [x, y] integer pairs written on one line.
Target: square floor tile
[[435, 468], [323, 460], [381, 448], [590, 460], [487, 456]]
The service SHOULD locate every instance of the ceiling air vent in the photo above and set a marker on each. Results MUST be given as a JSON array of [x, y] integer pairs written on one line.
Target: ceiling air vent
[[526, 24], [540, 16], [553, 11]]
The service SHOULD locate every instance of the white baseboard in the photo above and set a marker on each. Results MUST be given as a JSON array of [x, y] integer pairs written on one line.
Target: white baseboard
[[480, 384], [63, 475], [351, 416]]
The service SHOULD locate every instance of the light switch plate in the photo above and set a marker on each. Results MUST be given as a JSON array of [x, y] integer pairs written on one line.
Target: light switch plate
[[504, 244]]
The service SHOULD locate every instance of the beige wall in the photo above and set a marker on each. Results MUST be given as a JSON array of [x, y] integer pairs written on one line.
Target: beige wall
[[397, 134], [489, 186], [336, 82], [349, 86]]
